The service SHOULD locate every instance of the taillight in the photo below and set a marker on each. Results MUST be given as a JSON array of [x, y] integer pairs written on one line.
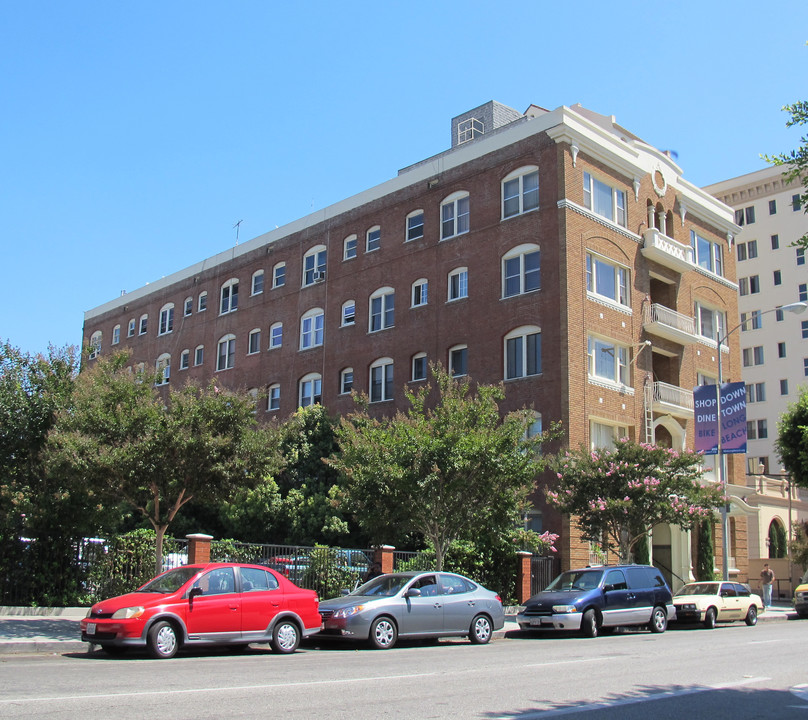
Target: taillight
[[499, 599]]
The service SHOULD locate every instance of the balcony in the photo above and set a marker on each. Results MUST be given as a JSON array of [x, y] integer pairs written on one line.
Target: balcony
[[667, 251], [672, 400], [666, 323]]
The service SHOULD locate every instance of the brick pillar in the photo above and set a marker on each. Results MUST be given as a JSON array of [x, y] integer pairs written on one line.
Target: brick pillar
[[199, 548], [384, 556], [523, 576]]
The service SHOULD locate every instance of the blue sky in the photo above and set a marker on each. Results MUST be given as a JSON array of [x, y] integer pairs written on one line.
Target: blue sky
[[134, 135]]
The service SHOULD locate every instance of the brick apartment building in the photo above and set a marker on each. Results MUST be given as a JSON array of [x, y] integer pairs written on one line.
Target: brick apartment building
[[554, 251]]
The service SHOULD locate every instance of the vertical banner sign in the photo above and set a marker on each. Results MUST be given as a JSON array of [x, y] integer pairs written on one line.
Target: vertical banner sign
[[733, 418]]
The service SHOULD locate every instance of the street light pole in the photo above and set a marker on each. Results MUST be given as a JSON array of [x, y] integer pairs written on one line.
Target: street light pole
[[797, 307]]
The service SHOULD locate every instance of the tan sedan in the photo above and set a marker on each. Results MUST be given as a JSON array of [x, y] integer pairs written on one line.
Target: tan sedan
[[713, 602]]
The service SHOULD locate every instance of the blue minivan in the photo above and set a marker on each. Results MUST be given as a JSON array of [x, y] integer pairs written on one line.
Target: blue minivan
[[595, 600]]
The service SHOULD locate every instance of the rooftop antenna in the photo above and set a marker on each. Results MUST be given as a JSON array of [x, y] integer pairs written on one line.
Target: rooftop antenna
[[238, 227]]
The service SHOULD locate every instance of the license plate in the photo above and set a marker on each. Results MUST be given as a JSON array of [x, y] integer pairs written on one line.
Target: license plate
[[536, 623], [91, 628]]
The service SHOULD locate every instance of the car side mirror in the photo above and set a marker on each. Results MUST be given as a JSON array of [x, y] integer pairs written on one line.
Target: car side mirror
[[414, 592], [194, 592], [344, 591], [607, 587]]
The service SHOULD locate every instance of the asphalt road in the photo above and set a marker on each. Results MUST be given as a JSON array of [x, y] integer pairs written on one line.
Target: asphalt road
[[731, 672]]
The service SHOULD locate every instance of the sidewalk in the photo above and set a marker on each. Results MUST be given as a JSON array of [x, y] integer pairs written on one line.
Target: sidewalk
[[56, 630]]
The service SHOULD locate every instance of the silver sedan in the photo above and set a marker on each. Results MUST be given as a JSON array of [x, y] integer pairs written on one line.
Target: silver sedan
[[414, 605]]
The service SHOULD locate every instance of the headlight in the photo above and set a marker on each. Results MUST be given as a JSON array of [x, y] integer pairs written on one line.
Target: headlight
[[565, 609], [89, 612], [127, 613], [348, 611]]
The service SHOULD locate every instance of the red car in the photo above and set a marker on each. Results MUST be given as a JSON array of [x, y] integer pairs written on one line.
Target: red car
[[195, 605]]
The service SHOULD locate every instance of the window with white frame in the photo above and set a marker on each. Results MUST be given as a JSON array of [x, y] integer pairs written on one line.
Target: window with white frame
[[381, 380], [520, 191], [523, 352], [710, 322], [185, 359], [254, 341], [415, 225], [346, 381], [605, 435], [314, 265], [229, 297], [130, 328], [454, 215], [521, 270], [707, 253], [188, 306], [458, 284], [166, 319], [607, 279], [419, 367], [311, 329], [348, 313], [116, 334], [373, 239], [275, 335], [349, 247], [608, 361], [382, 309], [202, 305], [143, 326], [257, 282], [274, 397], [458, 360], [279, 275], [199, 355], [535, 427], [311, 390], [163, 369], [604, 200], [419, 292], [468, 129], [226, 353], [95, 344]]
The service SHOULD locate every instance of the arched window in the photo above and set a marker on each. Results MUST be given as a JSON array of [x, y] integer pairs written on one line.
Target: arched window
[[226, 353], [346, 379], [163, 369], [523, 352], [188, 306], [185, 359], [95, 344], [229, 297], [199, 355], [143, 326], [311, 329], [520, 191], [373, 239], [349, 247], [381, 380], [203, 301], [419, 367], [778, 545], [521, 270], [275, 335], [274, 397], [166, 319], [382, 309], [116, 334], [254, 341], [454, 215], [314, 262], [458, 360], [348, 313], [415, 226], [419, 292], [279, 275], [257, 283], [311, 390], [458, 284]]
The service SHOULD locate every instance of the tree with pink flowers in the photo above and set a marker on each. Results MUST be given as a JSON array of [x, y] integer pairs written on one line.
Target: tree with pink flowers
[[616, 495]]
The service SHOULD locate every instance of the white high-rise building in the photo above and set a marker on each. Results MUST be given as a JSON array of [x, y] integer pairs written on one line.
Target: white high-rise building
[[774, 344]]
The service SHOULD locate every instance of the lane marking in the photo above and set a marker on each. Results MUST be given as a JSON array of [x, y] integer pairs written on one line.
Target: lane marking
[[633, 700], [765, 642]]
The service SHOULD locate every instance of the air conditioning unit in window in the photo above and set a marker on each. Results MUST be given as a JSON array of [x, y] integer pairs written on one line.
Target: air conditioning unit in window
[[319, 275]]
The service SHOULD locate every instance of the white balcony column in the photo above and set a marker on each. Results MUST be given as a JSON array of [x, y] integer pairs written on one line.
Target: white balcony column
[[663, 224], [650, 217]]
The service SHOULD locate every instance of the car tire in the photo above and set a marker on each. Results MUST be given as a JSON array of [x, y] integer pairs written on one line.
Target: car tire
[[480, 631], [589, 624], [383, 633], [659, 620], [285, 637], [710, 618], [751, 616], [163, 641]]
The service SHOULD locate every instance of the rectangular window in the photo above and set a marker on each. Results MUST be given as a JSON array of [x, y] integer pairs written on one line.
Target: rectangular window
[[607, 280], [707, 253], [608, 361], [199, 355], [784, 387], [803, 290], [796, 203], [604, 200], [754, 284], [374, 239], [605, 436], [775, 242], [804, 326], [415, 226], [419, 367], [741, 252], [772, 207], [751, 247], [781, 349], [753, 356], [805, 366], [800, 256], [709, 323], [743, 286], [778, 278], [756, 392], [762, 429], [254, 342]]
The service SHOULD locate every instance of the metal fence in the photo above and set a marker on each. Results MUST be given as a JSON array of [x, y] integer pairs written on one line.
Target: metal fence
[[542, 572]]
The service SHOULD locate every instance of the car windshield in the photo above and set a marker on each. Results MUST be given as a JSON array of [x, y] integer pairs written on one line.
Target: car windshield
[[383, 586], [576, 580], [171, 581], [699, 589]]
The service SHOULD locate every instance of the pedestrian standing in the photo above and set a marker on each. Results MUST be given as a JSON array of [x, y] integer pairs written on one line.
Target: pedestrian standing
[[766, 580]]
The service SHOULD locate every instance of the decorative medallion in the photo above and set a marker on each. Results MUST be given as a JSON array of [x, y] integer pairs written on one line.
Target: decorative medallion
[[660, 185]]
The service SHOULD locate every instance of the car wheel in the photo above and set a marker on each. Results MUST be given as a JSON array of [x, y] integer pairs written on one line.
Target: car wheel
[[162, 640], [751, 616], [709, 618], [589, 624], [285, 637], [659, 620], [383, 633], [480, 631]]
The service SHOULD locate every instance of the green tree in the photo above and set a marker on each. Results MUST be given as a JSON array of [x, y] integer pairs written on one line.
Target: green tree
[[445, 472], [705, 559], [795, 162], [616, 495], [792, 439], [125, 441]]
